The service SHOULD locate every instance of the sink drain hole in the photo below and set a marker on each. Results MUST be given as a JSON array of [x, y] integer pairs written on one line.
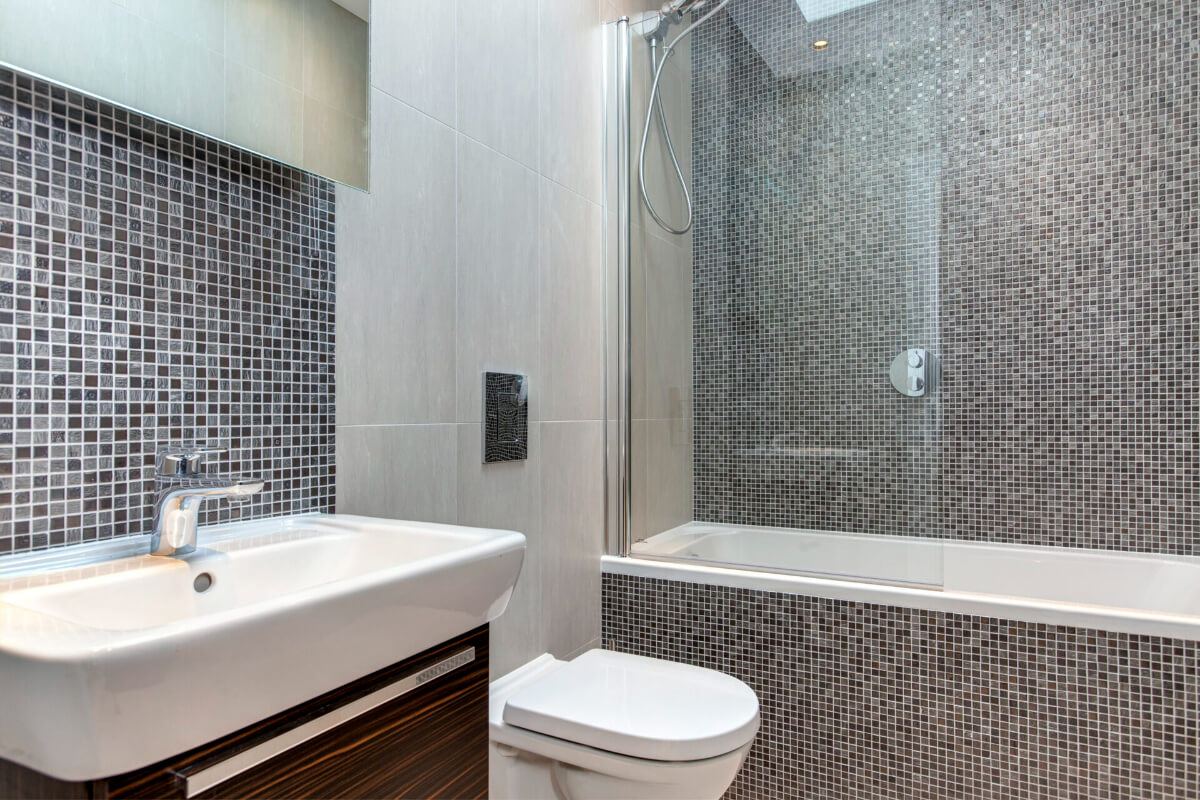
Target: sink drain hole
[[203, 582]]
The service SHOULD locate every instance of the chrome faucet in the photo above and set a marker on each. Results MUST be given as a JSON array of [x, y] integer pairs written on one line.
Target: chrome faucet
[[177, 508]]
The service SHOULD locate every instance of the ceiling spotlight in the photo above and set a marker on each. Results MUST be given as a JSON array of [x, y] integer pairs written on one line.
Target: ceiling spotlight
[[820, 44]]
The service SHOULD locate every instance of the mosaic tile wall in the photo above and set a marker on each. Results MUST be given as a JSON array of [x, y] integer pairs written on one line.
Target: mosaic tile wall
[[867, 702], [1012, 185], [156, 287]]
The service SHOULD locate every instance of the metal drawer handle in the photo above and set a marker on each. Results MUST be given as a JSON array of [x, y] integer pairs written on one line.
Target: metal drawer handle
[[207, 778]]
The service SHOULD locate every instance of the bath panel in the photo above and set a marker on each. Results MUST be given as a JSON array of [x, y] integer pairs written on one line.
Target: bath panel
[[866, 701]]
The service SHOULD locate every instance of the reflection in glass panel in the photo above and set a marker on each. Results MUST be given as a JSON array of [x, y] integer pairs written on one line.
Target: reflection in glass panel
[[808, 137], [284, 78]]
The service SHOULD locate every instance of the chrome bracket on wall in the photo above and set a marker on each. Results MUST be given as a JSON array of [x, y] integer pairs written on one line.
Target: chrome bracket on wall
[[914, 372]]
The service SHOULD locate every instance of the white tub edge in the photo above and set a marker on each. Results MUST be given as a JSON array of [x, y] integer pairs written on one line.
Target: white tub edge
[[1075, 615]]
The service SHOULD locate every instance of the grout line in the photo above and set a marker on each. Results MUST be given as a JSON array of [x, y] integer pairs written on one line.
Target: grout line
[[453, 128]]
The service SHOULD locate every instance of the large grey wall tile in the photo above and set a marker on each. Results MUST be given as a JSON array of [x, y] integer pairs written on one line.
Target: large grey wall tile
[[612, 473], [571, 312], [413, 53], [398, 471], [497, 273], [668, 474], [497, 84], [612, 318], [662, 181], [263, 114], [642, 259], [32, 38], [336, 144], [508, 495], [268, 37], [336, 49], [569, 96], [200, 21], [668, 344], [573, 529], [639, 479], [396, 342], [179, 80]]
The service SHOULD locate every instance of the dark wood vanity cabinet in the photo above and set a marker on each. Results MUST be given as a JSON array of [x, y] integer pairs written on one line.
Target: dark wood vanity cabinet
[[418, 729]]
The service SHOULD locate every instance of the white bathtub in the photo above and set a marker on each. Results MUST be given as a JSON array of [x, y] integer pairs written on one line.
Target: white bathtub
[[1107, 590]]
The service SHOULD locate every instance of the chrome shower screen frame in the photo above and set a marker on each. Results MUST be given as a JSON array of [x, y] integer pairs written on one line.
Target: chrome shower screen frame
[[617, 260]]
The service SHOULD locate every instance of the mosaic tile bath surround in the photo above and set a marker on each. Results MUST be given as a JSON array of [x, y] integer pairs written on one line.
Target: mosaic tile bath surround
[[156, 287], [1011, 184], [866, 702]]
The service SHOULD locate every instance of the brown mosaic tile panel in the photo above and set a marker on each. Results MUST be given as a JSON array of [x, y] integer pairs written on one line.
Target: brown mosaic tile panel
[[1073, 255], [867, 702], [156, 287]]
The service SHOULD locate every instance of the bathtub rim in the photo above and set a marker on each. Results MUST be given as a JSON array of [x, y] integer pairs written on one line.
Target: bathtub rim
[[1002, 607]]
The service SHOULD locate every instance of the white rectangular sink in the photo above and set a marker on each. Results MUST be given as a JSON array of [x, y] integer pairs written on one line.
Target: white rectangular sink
[[111, 659]]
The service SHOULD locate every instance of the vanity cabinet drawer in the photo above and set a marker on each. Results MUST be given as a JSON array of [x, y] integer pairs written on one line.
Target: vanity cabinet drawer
[[418, 729]]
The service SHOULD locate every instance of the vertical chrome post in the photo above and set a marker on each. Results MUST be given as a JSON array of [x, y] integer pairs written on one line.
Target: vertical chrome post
[[624, 346]]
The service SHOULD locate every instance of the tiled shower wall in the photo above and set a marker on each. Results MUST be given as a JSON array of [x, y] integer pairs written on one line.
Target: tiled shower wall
[[869, 702], [156, 287], [1011, 185]]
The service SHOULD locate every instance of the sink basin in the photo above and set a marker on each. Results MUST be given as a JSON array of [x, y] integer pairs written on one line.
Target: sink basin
[[112, 659]]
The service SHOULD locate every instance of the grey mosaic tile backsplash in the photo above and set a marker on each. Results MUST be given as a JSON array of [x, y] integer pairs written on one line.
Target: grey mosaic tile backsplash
[[868, 702], [1012, 185], [156, 287]]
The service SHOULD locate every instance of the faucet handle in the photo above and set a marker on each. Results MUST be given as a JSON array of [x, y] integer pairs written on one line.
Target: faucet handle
[[183, 462]]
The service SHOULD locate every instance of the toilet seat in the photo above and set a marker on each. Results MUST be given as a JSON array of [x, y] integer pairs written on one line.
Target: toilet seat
[[637, 707]]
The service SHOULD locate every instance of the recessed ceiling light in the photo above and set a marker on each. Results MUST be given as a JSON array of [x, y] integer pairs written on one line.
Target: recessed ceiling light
[[820, 44]]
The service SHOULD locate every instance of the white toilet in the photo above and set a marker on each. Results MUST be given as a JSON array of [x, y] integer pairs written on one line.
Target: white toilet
[[614, 726]]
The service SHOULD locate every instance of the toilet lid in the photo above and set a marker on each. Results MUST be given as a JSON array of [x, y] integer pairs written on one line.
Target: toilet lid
[[638, 706]]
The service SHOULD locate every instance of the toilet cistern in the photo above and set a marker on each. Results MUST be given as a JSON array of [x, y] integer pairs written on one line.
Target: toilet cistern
[[177, 507]]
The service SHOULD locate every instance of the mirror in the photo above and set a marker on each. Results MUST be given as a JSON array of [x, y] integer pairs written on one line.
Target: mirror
[[287, 79]]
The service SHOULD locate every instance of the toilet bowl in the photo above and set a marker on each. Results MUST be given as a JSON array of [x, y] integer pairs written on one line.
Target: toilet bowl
[[615, 726]]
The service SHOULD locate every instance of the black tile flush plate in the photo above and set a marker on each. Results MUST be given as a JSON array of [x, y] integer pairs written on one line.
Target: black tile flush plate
[[505, 417]]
